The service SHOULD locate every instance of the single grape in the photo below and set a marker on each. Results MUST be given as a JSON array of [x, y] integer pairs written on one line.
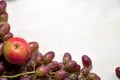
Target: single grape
[[53, 65], [6, 36], [42, 70], [33, 77], [70, 66], [48, 57], [85, 71], [1, 46], [73, 77], [3, 6], [3, 78], [66, 58], [67, 78], [117, 71], [33, 46], [60, 75], [2, 67], [4, 29], [30, 65], [86, 61], [61, 66], [38, 59], [25, 77], [92, 76], [77, 69], [4, 17], [23, 68]]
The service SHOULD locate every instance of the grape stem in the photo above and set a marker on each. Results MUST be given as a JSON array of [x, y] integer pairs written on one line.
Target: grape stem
[[20, 74]]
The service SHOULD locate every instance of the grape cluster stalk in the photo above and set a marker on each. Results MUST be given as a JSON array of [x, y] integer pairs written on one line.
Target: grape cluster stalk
[[40, 66]]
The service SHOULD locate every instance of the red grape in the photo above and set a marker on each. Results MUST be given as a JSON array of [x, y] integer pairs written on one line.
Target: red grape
[[61, 65], [6, 36], [86, 61], [67, 78], [117, 71], [92, 76], [85, 71], [70, 66], [4, 17], [38, 59], [42, 70], [53, 65], [4, 29], [77, 68], [73, 77], [48, 57], [66, 58], [25, 77], [3, 5], [33, 46], [2, 67], [60, 75]]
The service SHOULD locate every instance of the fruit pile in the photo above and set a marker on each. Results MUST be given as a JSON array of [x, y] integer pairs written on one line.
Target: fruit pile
[[22, 60]]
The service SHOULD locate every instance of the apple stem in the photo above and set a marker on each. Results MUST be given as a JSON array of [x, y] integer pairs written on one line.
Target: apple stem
[[20, 74]]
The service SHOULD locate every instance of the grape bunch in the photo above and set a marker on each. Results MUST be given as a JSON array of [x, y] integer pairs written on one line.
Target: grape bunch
[[44, 67], [40, 66], [5, 33]]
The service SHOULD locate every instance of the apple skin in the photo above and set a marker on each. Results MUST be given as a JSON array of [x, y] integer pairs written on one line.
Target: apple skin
[[16, 50]]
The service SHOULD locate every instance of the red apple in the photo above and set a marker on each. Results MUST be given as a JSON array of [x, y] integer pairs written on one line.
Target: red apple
[[16, 50]]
